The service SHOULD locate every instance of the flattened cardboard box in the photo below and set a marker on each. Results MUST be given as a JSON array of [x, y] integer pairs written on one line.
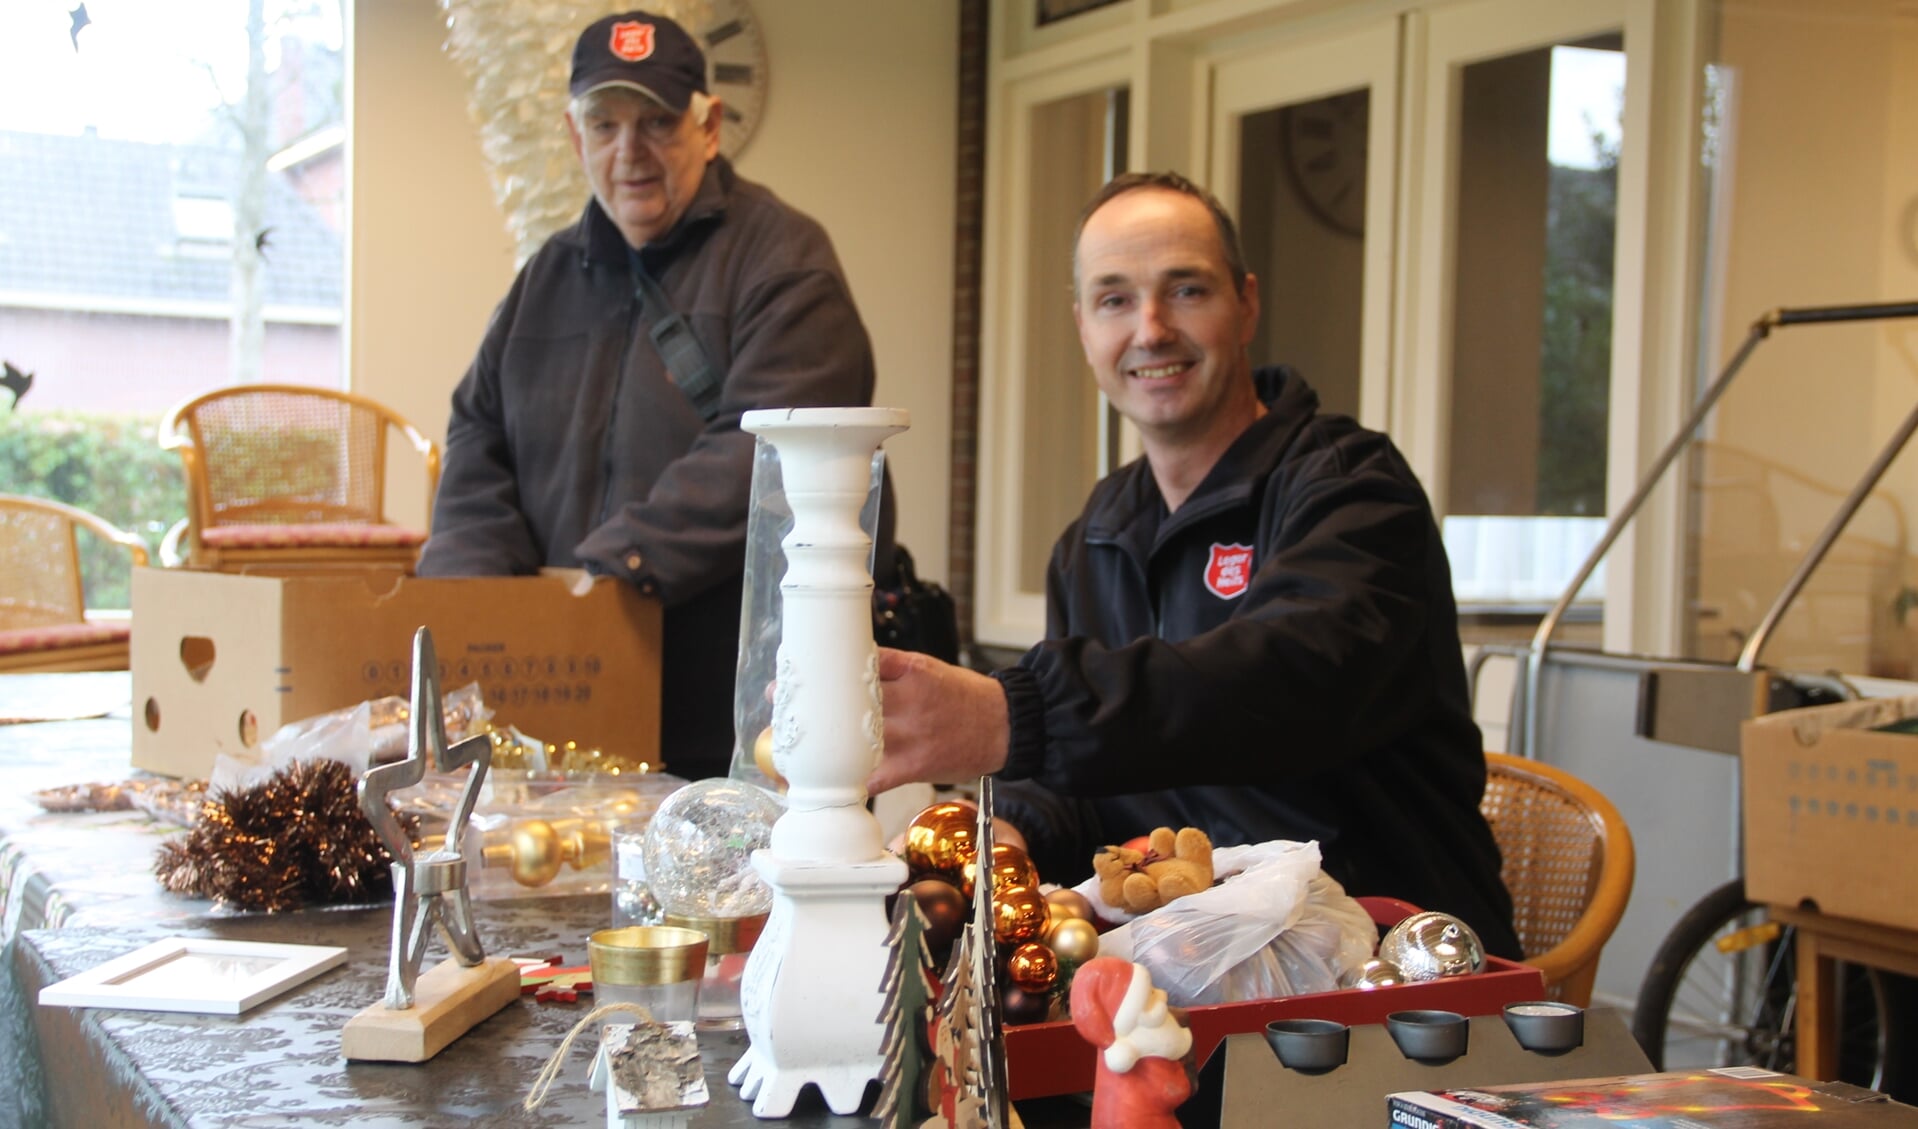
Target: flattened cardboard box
[[220, 661], [1831, 810], [1728, 1098]]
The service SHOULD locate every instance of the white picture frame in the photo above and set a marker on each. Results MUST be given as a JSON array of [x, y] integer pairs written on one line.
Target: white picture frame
[[204, 975]]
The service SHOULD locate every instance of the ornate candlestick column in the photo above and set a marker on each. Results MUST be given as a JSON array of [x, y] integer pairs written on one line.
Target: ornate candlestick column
[[811, 994]]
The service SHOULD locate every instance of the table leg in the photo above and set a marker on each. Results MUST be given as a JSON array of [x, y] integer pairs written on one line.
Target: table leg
[[1817, 1019]]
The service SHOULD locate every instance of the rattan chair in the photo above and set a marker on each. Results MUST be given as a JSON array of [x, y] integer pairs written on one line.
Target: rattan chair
[[285, 477], [1568, 864], [43, 614]]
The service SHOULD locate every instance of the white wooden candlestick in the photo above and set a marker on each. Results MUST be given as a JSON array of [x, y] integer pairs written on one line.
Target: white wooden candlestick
[[811, 994]]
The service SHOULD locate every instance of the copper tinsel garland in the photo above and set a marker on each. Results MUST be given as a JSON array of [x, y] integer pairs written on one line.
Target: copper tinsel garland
[[276, 846]]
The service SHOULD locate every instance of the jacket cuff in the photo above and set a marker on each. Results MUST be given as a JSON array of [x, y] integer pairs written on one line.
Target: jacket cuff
[[1026, 715], [599, 555]]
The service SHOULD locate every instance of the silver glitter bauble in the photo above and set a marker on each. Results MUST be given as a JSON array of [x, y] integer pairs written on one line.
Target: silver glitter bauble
[[1374, 973], [699, 848], [1429, 945]]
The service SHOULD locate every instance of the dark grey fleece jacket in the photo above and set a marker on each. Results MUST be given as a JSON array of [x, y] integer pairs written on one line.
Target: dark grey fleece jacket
[[570, 445]]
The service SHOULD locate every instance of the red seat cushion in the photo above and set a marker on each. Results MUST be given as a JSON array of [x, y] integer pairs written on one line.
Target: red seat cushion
[[327, 535], [21, 640]]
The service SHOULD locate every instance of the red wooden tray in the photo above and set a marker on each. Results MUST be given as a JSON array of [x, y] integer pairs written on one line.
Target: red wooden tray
[[1043, 1059]]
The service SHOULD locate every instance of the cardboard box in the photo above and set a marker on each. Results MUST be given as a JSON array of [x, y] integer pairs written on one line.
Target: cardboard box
[[1729, 1098], [1831, 810], [221, 661]]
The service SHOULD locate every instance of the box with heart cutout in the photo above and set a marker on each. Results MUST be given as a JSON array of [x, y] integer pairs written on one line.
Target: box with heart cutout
[[221, 661]]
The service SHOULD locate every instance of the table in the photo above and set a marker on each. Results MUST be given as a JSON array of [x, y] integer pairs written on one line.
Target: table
[[1822, 941], [77, 889]]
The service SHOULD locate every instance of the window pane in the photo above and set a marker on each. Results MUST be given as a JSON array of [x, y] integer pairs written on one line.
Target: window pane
[[161, 233], [1537, 189], [1808, 122], [1302, 193]]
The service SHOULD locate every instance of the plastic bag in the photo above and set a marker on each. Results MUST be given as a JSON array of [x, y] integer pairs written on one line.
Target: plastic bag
[[1276, 925], [360, 736]]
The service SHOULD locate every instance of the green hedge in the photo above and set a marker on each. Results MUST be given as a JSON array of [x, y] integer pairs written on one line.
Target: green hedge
[[110, 465]]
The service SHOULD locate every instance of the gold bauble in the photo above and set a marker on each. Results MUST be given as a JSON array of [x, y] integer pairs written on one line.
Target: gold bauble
[[536, 852], [1033, 967], [942, 839], [1073, 940], [1018, 914], [1010, 867], [1069, 903], [763, 757]]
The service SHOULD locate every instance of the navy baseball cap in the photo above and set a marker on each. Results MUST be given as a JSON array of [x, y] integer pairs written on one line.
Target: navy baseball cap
[[643, 52]]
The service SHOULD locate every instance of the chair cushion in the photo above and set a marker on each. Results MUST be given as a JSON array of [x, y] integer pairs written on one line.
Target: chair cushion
[[338, 534], [22, 640]]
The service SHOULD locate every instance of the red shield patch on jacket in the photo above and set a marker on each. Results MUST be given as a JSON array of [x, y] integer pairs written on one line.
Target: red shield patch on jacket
[[1229, 571], [632, 41]]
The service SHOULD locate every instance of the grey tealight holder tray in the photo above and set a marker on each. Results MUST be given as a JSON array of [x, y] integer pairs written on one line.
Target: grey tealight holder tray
[[1259, 1092]]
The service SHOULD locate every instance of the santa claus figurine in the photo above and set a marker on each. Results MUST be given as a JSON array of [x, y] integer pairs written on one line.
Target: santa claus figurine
[[1142, 1076]]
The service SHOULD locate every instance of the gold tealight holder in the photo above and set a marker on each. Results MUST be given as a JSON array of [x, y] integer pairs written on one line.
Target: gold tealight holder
[[730, 941], [658, 967]]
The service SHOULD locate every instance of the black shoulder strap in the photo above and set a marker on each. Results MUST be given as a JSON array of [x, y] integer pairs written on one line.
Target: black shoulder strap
[[686, 361]]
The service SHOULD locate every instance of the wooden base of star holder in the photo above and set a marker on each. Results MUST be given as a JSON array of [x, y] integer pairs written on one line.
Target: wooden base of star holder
[[448, 1001]]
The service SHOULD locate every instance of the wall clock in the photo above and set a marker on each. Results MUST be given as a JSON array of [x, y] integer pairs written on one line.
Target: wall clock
[[736, 67], [1324, 142]]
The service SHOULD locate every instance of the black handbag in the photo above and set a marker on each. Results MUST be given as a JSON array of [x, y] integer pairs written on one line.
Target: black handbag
[[911, 614], [915, 614]]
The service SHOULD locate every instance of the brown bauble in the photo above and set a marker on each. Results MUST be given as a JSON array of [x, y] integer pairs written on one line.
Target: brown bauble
[[763, 757], [1069, 903], [1018, 1006], [945, 912], [942, 839], [1073, 940], [1018, 915], [1032, 967], [1010, 867]]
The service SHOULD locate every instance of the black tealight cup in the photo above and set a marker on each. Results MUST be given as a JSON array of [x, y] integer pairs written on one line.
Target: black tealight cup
[[1545, 1026], [1428, 1036], [1309, 1046]]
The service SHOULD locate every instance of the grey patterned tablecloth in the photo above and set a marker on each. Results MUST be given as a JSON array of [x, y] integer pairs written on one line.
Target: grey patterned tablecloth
[[280, 1065], [77, 890]]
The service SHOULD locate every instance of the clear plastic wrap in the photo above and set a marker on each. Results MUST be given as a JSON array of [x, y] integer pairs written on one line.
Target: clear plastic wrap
[[769, 518], [1274, 925]]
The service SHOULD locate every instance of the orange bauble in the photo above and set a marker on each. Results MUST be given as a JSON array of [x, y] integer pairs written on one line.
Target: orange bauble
[[1010, 867], [1033, 967], [1018, 915], [942, 839]]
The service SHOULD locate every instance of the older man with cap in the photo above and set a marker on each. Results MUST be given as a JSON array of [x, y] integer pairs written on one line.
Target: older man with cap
[[599, 424]]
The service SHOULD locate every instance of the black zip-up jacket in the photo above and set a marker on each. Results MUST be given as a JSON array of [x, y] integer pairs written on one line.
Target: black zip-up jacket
[[570, 446], [1313, 691]]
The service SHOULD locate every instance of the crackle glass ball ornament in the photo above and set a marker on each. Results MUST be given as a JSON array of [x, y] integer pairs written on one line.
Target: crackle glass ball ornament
[[699, 848], [1426, 946]]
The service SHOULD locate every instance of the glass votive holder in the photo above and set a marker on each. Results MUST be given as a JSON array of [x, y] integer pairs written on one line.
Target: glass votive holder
[[729, 944], [633, 901], [657, 967]]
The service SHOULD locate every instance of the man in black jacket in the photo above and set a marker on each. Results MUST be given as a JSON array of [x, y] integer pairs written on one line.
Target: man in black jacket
[[1250, 630], [572, 444]]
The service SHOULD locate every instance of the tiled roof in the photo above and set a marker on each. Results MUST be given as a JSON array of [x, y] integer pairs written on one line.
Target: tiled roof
[[89, 218]]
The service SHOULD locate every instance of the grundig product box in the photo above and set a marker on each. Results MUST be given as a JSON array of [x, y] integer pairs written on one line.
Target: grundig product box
[[1738, 1097], [221, 661], [1831, 809]]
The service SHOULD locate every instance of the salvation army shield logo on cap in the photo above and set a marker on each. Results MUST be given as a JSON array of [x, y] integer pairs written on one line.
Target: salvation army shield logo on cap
[[1229, 571], [632, 41]]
